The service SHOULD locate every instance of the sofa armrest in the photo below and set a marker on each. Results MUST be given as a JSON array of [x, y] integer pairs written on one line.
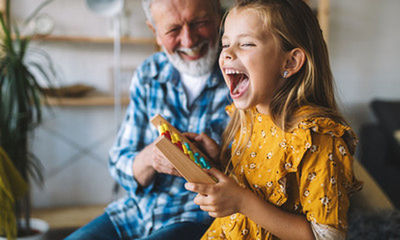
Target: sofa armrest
[[371, 197]]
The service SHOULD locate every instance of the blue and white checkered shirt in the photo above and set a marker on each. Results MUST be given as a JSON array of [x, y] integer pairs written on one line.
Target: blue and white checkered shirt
[[156, 88]]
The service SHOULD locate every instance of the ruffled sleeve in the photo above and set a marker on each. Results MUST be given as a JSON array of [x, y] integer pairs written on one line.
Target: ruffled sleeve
[[230, 109], [325, 174]]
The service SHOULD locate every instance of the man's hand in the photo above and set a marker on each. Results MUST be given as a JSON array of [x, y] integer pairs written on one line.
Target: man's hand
[[204, 143], [160, 163], [150, 161]]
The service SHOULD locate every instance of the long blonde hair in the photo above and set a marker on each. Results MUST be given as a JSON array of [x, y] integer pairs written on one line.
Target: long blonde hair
[[293, 23]]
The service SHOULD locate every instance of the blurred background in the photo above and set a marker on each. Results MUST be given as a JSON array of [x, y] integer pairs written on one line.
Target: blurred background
[[77, 132]]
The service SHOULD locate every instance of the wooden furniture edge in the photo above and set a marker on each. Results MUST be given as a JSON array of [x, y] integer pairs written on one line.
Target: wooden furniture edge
[[69, 216], [90, 100]]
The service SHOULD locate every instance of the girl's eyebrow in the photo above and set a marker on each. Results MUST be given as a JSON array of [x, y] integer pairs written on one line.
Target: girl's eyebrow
[[242, 35]]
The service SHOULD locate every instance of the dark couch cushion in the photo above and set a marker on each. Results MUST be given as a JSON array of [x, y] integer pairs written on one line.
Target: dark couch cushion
[[388, 115], [375, 156]]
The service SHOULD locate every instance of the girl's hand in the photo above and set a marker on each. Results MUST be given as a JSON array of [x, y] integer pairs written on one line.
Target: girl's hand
[[205, 143], [221, 199]]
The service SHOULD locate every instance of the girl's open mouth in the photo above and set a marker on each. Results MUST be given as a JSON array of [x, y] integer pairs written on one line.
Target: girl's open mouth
[[238, 80]]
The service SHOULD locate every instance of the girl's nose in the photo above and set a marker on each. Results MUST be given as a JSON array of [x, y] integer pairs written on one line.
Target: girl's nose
[[227, 54]]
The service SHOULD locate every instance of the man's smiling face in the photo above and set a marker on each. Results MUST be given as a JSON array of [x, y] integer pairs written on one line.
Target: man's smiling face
[[187, 30]]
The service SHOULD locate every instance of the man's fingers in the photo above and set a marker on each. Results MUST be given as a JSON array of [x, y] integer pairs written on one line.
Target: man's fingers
[[191, 136], [162, 165], [161, 160], [176, 173], [166, 170], [157, 153]]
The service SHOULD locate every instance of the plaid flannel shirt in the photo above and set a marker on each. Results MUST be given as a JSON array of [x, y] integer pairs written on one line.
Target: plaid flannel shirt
[[156, 88]]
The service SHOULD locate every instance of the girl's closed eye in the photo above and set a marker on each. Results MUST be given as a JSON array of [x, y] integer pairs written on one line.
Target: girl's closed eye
[[225, 45], [241, 45], [247, 45]]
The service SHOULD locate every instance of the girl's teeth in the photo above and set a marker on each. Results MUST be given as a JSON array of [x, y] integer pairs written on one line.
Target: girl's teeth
[[232, 71]]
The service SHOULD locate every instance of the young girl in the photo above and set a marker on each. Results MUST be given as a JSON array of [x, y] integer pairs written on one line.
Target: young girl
[[290, 161]]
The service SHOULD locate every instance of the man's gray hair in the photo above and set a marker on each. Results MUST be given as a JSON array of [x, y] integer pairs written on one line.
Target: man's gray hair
[[147, 8]]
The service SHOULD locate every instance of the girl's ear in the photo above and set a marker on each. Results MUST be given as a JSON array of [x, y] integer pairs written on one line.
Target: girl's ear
[[293, 62]]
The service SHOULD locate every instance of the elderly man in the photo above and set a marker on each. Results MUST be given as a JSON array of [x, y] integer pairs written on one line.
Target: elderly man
[[183, 83]]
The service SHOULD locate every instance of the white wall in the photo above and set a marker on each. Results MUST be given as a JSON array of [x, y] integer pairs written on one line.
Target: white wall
[[90, 63], [364, 56], [363, 44], [73, 142]]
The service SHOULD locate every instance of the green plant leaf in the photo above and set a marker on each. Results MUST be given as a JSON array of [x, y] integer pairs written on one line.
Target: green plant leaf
[[7, 38], [21, 96]]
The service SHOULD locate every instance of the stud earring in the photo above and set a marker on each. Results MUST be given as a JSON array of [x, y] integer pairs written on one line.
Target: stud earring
[[285, 73]]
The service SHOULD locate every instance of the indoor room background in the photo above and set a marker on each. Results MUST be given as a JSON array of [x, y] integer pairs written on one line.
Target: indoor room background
[[73, 141]]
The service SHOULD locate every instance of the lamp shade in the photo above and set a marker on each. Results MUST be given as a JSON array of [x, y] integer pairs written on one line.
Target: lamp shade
[[107, 8]]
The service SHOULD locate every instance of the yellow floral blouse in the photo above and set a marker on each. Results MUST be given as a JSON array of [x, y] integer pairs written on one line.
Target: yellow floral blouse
[[306, 171]]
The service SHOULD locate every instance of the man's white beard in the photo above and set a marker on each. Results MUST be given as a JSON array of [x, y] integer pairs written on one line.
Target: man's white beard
[[197, 67]]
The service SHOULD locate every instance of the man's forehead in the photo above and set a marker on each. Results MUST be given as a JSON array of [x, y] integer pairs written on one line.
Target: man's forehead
[[170, 12], [179, 5], [184, 1]]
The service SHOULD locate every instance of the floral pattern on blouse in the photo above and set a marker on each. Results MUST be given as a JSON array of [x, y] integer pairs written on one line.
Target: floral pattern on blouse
[[306, 171]]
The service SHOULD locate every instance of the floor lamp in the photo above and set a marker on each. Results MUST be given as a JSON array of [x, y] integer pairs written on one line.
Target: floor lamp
[[112, 9]]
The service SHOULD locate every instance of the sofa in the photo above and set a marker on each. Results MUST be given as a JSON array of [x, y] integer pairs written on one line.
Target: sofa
[[380, 147]]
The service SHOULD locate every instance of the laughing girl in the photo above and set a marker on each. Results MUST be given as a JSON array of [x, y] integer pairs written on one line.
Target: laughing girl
[[287, 150]]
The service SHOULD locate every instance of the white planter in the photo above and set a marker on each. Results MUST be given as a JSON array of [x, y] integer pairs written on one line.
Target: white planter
[[36, 224]]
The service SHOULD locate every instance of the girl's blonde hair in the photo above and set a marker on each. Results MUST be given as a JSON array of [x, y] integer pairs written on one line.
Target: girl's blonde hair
[[294, 24]]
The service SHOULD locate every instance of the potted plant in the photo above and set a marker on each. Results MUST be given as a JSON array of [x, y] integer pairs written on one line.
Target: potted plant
[[12, 187], [21, 101]]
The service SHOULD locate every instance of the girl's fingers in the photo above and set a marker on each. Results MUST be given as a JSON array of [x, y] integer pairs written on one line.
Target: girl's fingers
[[206, 189], [213, 214], [218, 214], [216, 173], [201, 200], [207, 208], [197, 187]]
